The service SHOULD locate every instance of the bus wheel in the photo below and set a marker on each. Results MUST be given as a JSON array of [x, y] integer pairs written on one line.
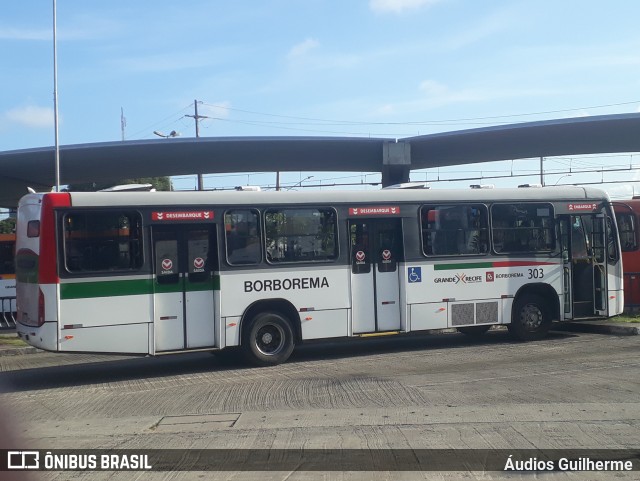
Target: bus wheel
[[268, 340], [530, 318], [474, 331]]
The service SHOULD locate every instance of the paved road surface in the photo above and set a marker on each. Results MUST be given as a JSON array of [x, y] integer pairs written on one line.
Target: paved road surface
[[572, 390]]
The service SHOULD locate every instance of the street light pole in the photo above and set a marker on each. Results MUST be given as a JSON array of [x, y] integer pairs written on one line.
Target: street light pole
[[55, 101]]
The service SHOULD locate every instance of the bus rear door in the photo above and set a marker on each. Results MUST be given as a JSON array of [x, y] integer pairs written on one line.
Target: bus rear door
[[185, 257], [376, 250]]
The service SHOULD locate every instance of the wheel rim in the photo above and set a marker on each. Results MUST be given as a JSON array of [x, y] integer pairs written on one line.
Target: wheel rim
[[270, 339], [531, 317]]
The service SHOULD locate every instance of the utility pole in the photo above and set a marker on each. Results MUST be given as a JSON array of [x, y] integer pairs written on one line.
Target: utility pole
[[197, 117]]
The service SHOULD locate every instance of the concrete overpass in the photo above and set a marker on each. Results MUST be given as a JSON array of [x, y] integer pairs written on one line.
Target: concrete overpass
[[394, 158]]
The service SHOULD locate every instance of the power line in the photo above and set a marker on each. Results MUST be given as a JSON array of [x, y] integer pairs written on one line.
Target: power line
[[423, 122], [146, 130]]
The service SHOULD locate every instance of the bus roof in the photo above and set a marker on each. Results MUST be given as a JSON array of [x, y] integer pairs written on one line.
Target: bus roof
[[102, 199]]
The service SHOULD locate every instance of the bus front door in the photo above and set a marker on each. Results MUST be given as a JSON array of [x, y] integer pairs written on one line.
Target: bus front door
[[184, 260], [376, 250], [583, 243]]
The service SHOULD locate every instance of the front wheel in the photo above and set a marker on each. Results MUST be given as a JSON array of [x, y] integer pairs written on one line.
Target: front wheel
[[268, 340], [530, 318]]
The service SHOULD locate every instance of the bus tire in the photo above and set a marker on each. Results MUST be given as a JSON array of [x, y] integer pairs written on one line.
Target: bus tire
[[530, 318], [474, 331], [268, 339]]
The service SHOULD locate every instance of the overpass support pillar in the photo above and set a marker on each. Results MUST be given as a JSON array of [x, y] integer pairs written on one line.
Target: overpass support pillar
[[396, 163]]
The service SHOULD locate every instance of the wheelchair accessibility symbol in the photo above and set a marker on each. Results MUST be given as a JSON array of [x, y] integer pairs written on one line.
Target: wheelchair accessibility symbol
[[414, 274]]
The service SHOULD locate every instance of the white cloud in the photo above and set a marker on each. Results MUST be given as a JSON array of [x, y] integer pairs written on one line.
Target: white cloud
[[303, 48], [433, 88], [399, 6], [174, 61], [79, 27], [500, 21], [11, 33], [31, 116]]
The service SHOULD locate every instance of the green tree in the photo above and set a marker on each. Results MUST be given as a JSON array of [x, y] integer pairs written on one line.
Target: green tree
[[158, 183], [8, 225]]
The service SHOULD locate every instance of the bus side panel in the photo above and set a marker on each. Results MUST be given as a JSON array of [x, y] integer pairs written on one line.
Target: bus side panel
[[471, 290], [45, 336], [232, 331], [432, 315], [616, 297], [320, 324], [95, 310], [129, 339], [310, 289]]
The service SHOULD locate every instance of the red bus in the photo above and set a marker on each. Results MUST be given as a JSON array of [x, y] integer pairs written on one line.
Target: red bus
[[628, 218]]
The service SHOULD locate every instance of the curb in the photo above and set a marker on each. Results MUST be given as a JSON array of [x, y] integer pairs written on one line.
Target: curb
[[616, 329]]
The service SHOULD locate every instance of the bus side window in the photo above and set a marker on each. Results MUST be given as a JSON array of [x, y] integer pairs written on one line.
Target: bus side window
[[454, 229], [242, 233], [301, 235], [627, 230], [106, 241], [525, 227]]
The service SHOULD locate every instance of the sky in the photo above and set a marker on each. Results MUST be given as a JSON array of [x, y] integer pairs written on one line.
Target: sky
[[379, 68]]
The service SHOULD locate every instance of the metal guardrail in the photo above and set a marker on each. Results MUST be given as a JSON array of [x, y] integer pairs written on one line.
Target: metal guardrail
[[8, 313]]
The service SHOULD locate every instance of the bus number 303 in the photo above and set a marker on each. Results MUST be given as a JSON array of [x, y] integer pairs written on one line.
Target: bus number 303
[[536, 273]]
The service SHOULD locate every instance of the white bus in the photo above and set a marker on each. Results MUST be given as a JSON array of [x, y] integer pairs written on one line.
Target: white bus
[[165, 272]]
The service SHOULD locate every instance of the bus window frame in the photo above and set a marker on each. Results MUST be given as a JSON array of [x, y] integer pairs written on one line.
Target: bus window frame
[[455, 204], [64, 270], [634, 222], [336, 224], [529, 252], [261, 237]]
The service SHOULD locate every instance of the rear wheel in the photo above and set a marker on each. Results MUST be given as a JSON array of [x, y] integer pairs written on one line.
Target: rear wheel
[[530, 318], [474, 331], [268, 339]]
